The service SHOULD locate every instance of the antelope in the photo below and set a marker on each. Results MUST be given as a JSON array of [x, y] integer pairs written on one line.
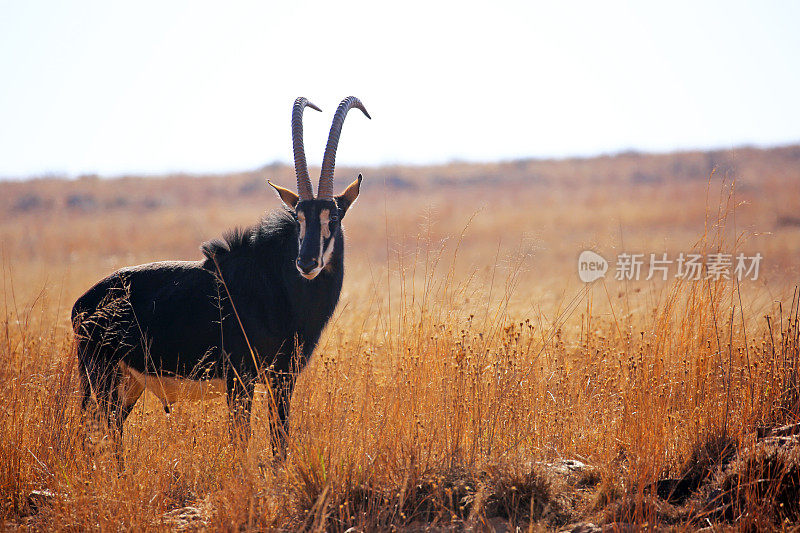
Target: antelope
[[251, 311]]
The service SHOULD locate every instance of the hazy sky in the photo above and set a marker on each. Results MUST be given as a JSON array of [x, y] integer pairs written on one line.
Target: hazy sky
[[113, 87]]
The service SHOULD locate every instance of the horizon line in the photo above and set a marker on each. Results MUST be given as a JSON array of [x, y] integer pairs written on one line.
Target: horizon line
[[67, 176]]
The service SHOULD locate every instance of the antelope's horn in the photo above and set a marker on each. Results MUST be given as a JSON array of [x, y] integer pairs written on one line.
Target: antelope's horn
[[325, 190], [300, 167]]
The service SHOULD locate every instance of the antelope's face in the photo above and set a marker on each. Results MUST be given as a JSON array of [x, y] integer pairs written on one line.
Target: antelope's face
[[318, 219], [319, 226]]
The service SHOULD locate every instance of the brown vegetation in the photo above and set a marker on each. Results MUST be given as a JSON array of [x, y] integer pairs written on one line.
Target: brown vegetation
[[465, 363]]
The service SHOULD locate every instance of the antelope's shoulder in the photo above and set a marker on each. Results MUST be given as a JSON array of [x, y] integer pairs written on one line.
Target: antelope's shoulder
[[272, 230]]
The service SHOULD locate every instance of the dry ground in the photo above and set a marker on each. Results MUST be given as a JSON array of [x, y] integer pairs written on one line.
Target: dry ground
[[465, 363]]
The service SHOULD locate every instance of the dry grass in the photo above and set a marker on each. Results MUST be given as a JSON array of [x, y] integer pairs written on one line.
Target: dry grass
[[465, 360]]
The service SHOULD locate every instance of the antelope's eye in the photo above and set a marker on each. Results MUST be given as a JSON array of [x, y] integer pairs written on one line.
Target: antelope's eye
[[334, 217]]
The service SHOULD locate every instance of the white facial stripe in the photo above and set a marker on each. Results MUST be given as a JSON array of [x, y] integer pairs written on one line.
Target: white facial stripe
[[326, 255], [324, 233], [321, 243], [301, 218], [324, 223]]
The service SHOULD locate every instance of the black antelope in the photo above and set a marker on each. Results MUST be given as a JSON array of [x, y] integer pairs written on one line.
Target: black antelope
[[253, 309]]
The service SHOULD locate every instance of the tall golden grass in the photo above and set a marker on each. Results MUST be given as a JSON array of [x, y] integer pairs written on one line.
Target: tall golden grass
[[465, 359]]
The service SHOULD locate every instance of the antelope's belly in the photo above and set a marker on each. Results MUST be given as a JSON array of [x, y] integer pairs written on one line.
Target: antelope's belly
[[171, 389]]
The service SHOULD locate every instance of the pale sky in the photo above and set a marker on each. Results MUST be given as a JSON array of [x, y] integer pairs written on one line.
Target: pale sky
[[156, 86]]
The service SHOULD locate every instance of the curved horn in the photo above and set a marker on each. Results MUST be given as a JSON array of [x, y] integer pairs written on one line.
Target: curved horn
[[329, 160], [300, 168]]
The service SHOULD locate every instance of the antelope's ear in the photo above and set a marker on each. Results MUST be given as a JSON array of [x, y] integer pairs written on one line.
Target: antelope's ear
[[346, 199], [287, 197]]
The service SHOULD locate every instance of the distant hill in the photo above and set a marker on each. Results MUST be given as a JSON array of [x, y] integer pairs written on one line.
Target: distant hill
[[749, 166]]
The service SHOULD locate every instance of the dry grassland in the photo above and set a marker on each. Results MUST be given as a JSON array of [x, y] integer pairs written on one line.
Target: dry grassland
[[466, 362]]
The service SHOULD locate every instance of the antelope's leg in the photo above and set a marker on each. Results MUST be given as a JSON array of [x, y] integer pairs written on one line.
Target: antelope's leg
[[282, 387]]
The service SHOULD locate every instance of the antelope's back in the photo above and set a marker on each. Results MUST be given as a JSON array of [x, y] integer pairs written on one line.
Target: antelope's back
[[153, 307]]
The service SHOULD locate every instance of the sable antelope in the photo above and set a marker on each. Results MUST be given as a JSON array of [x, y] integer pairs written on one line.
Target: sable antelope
[[253, 309]]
